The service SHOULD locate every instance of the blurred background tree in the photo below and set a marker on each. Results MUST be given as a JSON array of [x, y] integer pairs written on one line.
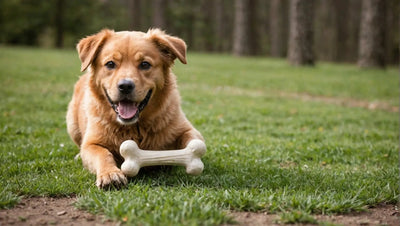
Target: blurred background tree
[[301, 40], [242, 27], [372, 34]]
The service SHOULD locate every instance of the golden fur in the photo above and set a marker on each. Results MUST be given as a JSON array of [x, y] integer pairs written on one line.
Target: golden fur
[[94, 125]]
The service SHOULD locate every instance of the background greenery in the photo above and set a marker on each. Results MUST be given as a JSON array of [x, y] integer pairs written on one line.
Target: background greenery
[[206, 25], [295, 141]]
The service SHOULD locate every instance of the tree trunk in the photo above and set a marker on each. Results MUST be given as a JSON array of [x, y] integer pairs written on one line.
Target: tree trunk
[[325, 30], [341, 12], [253, 22], [392, 40], [59, 20], [353, 30], [301, 33], [224, 16], [218, 25], [241, 29], [135, 13], [159, 11], [206, 37], [277, 28], [372, 34]]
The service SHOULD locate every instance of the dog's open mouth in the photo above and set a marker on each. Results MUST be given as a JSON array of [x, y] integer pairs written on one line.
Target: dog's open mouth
[[128, 111]]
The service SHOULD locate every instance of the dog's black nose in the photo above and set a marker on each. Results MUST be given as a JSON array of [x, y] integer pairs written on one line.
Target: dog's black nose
[[126, 86]]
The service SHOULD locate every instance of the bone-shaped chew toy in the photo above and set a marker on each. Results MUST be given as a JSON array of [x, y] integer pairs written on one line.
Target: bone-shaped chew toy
[[136, 158]]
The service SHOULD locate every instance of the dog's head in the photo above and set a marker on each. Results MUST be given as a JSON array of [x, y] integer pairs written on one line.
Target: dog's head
[[127, 68]]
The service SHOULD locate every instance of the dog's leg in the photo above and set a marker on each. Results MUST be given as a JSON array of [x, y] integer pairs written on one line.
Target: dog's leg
[[186, 137], [101, 162]]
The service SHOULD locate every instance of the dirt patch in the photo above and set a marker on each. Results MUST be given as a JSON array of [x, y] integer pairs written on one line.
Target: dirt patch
[[347, 102], [306, 97], [50, 211], [60, 211], [380, 215]]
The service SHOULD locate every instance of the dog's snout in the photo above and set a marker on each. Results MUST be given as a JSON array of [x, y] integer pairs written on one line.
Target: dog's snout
[[126, 86]]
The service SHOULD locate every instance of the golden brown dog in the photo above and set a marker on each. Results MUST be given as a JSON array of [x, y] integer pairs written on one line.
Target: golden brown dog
[[128, 92]]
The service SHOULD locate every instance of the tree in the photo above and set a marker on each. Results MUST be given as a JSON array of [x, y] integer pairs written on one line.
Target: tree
[[300, 50], [223, 16], [135, 12], [325, 29], [159, 13], [23, 21], [205, 34], [392, 37], [219, 24], [278, 28], [241, 29], [59, 23], [253, 21], [372, 34], [342, 19]]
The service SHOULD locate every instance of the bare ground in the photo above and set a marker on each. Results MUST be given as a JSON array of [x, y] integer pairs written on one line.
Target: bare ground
[[380, 215], [306, 97], [60, 211], [50, 211]]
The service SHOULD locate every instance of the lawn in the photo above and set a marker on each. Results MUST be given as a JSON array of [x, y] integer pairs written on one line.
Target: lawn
[[280, 139]]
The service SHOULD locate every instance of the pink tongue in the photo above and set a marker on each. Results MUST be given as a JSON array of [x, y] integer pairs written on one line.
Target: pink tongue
[[127, 110]]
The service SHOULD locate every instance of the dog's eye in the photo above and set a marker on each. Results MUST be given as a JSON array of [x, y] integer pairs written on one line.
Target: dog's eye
[[144, 65], [110, 65]]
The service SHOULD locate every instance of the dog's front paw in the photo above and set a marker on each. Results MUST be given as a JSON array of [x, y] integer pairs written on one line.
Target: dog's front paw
[[111, 179]]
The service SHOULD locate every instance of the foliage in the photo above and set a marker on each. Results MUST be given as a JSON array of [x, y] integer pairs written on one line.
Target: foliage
[[22, 21], [206, 25], [32, 22], [269, 149]]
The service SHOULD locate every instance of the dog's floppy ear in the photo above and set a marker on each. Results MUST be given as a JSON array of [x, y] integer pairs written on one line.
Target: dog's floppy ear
[[89, 47], [170, 46]]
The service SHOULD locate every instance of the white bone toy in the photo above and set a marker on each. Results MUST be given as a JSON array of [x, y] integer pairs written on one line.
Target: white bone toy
[[136, 158]]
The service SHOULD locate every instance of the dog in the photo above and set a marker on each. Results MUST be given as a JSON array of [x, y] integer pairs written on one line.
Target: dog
[[127, 93]]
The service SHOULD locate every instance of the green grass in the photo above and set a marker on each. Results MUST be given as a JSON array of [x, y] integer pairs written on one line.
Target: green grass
[[268, 150], [297, 217]]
